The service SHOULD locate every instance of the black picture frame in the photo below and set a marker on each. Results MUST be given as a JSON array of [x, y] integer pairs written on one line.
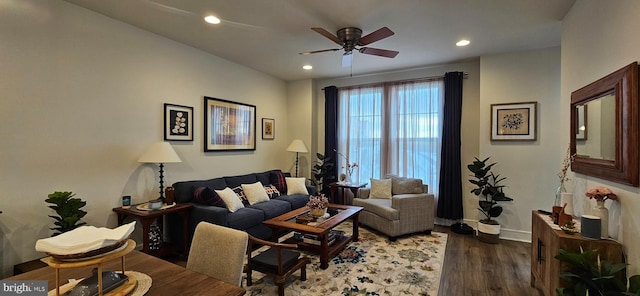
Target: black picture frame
[[268, 128], [228, 125], [178, 122]]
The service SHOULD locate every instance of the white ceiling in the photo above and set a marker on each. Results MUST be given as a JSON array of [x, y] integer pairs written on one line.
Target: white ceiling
[[267, 35]]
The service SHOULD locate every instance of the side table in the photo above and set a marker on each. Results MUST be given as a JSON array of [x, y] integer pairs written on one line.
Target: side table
[[342, 186], [147, 218]]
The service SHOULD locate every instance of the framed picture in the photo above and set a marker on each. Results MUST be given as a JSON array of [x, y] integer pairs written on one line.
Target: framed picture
[[514, 122], [581, 122], [178, 123], [268, 129], [229, 125]]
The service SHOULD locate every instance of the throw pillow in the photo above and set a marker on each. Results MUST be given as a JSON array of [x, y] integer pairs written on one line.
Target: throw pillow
[[206, 196], [278, 179], [406, 185], [240, 193], [255, 193], [272, 191], [296, 186], [380, 188], [230, 199]]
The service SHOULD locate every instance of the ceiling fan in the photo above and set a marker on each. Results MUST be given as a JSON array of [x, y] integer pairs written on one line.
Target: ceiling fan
[[350, 39]]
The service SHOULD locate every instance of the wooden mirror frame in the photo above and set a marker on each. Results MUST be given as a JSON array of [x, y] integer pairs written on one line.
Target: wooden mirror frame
[[624, 169]]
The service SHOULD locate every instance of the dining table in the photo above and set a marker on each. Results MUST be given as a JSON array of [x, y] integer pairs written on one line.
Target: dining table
[[167, 278]]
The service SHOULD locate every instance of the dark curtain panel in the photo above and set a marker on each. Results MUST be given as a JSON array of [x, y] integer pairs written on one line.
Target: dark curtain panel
[[331, 131], [450, 192]]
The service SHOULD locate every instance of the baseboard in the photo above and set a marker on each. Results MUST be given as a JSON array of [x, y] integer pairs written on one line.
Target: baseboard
[[505, 233]]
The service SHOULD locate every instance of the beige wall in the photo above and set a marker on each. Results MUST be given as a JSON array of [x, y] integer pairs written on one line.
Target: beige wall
[[597, 39], [81, 98], [529, 166]]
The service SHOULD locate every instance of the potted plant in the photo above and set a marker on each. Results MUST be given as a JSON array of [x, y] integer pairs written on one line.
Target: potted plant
[[68, 209], [318, 205], [322, 173], [489, 189], [589, 276]]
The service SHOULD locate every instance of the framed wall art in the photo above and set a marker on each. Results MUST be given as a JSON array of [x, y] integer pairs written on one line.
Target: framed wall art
[[268, 129], [514, 122], [228, 125], [178, 123]]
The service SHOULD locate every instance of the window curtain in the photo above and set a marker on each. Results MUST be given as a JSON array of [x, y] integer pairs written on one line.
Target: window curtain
[[359, 131], [450, 189], [414, 127], [331, 130]]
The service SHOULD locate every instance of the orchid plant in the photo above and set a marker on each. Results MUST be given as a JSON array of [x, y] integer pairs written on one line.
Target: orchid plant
[[318, 202], [350, 167]]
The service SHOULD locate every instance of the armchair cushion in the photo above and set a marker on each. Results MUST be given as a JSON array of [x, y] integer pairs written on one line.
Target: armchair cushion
[[379, 206], [405, 186]]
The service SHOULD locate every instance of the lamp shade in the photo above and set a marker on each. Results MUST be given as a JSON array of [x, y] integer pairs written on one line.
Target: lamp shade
[[160, 152], [297, 146]]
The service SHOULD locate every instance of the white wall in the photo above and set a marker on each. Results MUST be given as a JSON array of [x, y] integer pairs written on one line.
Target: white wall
[[300, 102], [531, 167], [597, 39], [81, 98]]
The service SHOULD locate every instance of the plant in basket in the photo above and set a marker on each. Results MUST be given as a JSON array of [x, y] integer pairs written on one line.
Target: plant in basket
[[318, 204]]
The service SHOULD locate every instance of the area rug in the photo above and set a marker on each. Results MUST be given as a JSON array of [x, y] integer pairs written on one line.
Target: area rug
[[412, 265]]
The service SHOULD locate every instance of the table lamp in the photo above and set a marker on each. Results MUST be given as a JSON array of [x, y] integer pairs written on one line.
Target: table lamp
[[297, 146], [160, 153]]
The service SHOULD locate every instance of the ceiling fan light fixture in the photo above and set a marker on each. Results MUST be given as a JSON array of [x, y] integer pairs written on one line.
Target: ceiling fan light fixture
[[212, 19], [463, 42], [307, 67]]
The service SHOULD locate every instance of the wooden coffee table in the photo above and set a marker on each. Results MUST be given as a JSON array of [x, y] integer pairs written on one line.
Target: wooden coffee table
[[320, 228]]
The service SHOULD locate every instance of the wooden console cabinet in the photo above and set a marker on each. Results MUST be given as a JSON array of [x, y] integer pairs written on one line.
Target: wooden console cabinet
[[545, 245]]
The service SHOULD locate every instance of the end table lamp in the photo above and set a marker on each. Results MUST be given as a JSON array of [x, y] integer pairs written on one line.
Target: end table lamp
[[160, 153], [297, 146]]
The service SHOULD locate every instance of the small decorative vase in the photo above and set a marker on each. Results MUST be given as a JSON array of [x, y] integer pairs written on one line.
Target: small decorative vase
[[602, 212], [559, 193], [318, 212]]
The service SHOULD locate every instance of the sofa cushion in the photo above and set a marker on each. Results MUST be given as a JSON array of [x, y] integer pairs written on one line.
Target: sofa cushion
[[240, 193], [236, 181], [296, 186], [296, 200], [183, 191], [278, 179], [272, 191], [380, 188], [273, 208], [206, 196], [265, 177], [379, 206], [230, 199], [405, 185], [255, 193], [245, 218]]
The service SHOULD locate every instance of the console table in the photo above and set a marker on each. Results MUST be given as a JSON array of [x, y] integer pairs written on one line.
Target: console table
[[546, 241]]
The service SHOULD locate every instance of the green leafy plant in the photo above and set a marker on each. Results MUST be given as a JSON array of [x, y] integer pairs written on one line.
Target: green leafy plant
[[323, 173], [488, 187], [589, 276], [68, 209]]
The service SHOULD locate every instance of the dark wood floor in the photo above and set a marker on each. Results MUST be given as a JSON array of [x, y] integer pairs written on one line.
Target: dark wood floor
[[472, 267]]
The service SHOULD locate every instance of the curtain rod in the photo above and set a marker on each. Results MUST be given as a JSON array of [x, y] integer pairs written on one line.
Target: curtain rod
[[465, 75]]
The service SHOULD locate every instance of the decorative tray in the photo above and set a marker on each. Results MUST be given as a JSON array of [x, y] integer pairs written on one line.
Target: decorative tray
[[145, 207]]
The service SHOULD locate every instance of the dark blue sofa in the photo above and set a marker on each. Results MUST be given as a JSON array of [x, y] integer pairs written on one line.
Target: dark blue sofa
[[249, 218]]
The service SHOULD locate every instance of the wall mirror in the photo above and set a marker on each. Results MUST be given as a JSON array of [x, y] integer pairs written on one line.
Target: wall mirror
[[604, 127]]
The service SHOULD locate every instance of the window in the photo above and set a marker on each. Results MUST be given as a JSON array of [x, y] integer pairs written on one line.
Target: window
[[392, 128]]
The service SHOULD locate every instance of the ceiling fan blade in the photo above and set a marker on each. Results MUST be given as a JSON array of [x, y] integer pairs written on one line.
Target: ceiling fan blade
[[347, 59], [379, 34], [326, 33], [379, 52], [319, 51]]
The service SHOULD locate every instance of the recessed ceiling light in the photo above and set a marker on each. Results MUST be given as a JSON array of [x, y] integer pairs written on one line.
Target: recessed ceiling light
[[211, 19], [307, 67], [463, 42]]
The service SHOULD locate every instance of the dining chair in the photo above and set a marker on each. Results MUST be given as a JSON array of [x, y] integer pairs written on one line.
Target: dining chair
[[279, 261], [218, 251]]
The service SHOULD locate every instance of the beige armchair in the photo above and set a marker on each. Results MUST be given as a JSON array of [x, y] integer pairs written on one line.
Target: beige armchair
[[410, 209]]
